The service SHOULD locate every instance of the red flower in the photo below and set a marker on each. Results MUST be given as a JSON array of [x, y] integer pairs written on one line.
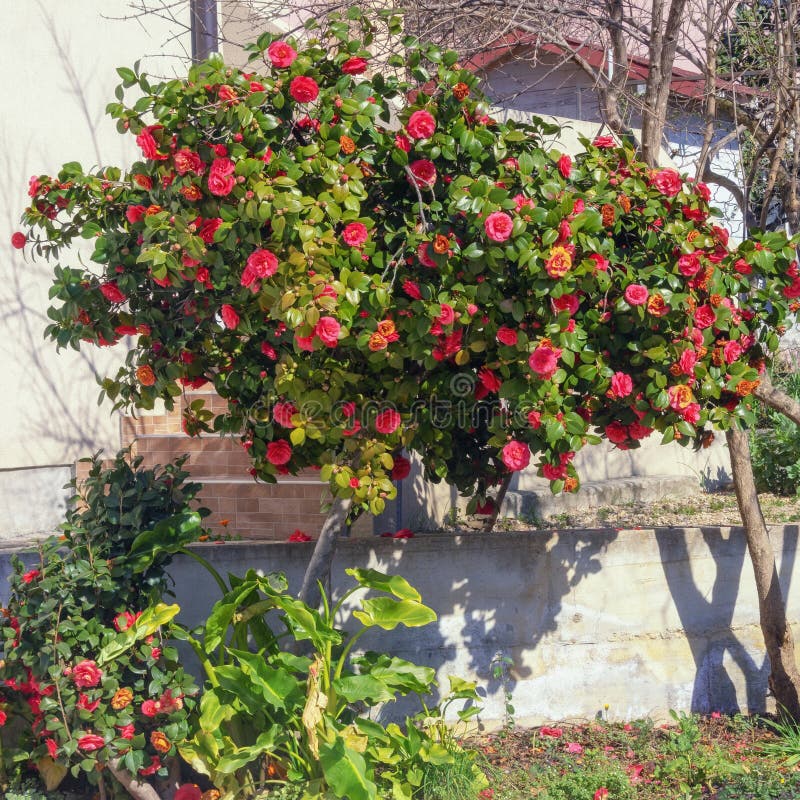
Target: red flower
[[412, 290], [604, 141], [90, 742], [4, 717], [600, 262], [447, 315], [269, 351], [299, 536], [148, 144], [387, 422], [150, 708], [354, 66], [230, 319], [18, 240], [402, 142], [705, 316], [401, 468], [535, 419], [304, 89], [125, 619], [87, 705], [507, 336], [636, 294], [31, 576], [498, 226], [489, 380], [616, 433], [424, 172], [689, 264], [220, 185], [86, 674], [282, 414], [112, 292], [403, 533], [565, 165], [260, 264], [621, 385], [281, 54], [421, 125], [126, 731], [667, 181], [152, 768], [600, 794], [52, 747], [742, 267], [328, 329], [544, 360], [207, 228], [567, 302], [516, 455], [189, 791], [279, 452], [355, 234], [188, 161]]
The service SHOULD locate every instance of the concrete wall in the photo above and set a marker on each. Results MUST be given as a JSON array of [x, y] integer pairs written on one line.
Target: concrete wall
[[58, 73], [643, 620]]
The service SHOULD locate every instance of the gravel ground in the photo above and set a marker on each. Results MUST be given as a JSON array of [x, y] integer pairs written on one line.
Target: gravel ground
[[713, 508]]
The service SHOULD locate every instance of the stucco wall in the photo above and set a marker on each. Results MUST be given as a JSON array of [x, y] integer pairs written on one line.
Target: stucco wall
[[644, 621]]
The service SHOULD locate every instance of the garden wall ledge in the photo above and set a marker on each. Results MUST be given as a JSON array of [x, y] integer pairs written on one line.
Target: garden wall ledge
[[640, 620]]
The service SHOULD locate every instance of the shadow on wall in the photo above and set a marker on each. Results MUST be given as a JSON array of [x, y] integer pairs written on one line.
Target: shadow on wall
[[710, 615]]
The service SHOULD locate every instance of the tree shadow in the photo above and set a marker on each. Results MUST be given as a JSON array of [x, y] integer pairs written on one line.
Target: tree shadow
[[710, 613]]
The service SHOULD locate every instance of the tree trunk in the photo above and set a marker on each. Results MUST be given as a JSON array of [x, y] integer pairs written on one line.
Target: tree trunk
[[777, 399], [784, 678], [319, 567], [137, 789], [488, 526]]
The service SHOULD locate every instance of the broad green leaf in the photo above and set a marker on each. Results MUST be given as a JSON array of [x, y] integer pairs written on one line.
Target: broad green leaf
[[147, 624], [346, 771], [244, 755], [355, 688], [222, 614], [392, 584], [388, 614], [396, 673], [275, 684]]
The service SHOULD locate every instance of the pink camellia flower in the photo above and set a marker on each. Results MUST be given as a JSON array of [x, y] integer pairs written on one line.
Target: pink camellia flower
[[567, 302], [680, 397], [305, 343], [600, 262], [18, 240], [489, 380], [90, 742], [304, 89], [704, 316], [401, 468], [412, 289], [535, 419], [731, 351], [230, 319], [687, 361], [387, 422], [355, 234], [565, 165], [260, 264], [424, 258], [52, 746], [207, 228], [269, 351], [554, 472], [689, 264], [604, 142], [498, 226], [636, 294], [135, 213], [87, 705], [125, 619], [220, 185], [421, 125], [31, 576], [189, 791], [299, 536], [507, 336], [544, 360], [621, 385], [152, 768], [281, 54], [187, 160], [554, 733], [150, 708], [354, 66], [447, 314], [742, 267], [112, 292], [402, 142], [328, 330], [148, 144], [667, 181], [600, 794], [516, 455], [86, 674], [226, 93], [574, 748], [282, 413], [279, 452], [127, 732], [691, 413], [424, 172]]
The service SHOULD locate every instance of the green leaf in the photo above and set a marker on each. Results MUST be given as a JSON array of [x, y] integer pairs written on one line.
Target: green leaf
[[357, 688], [388, 614], [276, 685], [392, 584], [346, 771], [148, 623], [242, 756]]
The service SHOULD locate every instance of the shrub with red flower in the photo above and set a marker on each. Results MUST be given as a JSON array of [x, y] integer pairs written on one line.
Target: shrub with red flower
[[556, 287]]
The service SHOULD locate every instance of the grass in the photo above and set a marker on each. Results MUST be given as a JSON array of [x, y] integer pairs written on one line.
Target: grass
[[717, 758]]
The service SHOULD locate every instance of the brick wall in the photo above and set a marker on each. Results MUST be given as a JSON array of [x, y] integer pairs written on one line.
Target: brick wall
[[240, 506]]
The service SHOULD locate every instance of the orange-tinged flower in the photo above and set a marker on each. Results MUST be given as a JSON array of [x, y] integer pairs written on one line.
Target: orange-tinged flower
[[378, 342], [745, 388], [608, 214], [192, 192], [386, 328], [570, 484], [347, 144], [680, 396], [121, 699], [461, 91], [559, 262], [210, 794], [624, 202], [657, 306], [441, 244], [715, 300], [160, 742], [145, 375], [154, 209]]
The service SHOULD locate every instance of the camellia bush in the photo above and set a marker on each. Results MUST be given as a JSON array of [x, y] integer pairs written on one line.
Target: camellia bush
[[362, 261]]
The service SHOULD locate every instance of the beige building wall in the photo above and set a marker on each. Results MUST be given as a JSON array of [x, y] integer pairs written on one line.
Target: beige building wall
[[58, 64]]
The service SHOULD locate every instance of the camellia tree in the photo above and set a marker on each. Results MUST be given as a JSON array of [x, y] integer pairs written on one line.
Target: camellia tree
[[363, 263]]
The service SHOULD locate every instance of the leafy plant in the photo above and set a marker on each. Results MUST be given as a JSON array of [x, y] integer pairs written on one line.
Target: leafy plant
[[88, 677], [275, 716]]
